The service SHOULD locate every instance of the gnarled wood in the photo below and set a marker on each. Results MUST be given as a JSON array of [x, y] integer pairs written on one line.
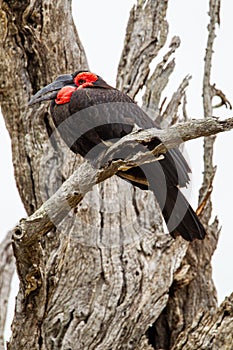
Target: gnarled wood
[[195, 275], [209, 330], [101, 276], [33, 52], [146, 34]]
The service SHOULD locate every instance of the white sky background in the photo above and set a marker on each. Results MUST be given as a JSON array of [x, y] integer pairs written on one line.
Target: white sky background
[[101, 25]]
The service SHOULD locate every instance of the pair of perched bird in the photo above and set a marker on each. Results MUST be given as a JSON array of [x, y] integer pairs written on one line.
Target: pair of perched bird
[[91, 115]]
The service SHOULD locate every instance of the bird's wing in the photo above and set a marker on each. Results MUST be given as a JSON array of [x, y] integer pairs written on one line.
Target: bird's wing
[[95, 118]]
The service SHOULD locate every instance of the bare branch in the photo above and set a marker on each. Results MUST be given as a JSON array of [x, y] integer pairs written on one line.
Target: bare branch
[[214, 19], [170, 115], [7, 268], [209, 168], [202, 205], [158, 80], [223, 99], [146, 34], [171, 137], [84, 178]]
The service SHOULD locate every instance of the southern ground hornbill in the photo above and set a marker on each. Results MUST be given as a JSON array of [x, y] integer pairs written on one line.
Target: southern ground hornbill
[[90, 115]]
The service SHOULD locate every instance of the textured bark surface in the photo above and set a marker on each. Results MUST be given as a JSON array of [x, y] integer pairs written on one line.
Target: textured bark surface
[[146, 34], [211, 330], [195, 275], [103, 275]]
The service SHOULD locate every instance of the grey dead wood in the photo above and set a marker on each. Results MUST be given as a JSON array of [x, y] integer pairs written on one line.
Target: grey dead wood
[[146, 34], [181, 309], [82, 180], [7, 268], [209, 330], [102, 275], [33, 53]]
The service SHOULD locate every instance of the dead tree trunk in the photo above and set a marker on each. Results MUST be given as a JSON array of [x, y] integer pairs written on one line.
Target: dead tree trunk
[[106, 276]]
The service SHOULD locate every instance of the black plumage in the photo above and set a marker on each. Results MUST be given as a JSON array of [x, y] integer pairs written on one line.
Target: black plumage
[[93, 116]]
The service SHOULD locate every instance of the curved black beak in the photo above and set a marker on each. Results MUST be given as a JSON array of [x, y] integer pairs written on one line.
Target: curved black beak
[[50, 91]]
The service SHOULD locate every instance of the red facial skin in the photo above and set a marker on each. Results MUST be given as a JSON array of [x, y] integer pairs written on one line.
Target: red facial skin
[[82, 80], [64, 95]]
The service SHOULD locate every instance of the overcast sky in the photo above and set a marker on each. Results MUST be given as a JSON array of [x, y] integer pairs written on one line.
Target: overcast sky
[[101, 26]]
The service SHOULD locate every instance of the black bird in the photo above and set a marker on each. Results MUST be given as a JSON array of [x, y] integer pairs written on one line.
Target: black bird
[[90, 115]]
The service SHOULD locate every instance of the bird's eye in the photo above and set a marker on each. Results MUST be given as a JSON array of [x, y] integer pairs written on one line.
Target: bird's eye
[[81, 81]]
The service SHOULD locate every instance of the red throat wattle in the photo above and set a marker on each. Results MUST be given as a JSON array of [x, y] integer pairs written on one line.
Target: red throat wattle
[[64, 95]]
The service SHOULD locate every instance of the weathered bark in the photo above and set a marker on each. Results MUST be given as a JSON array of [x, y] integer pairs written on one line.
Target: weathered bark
[[195, 275], [146, 34], [31, 55], [40, 168], [104, 273], [211, 330]]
